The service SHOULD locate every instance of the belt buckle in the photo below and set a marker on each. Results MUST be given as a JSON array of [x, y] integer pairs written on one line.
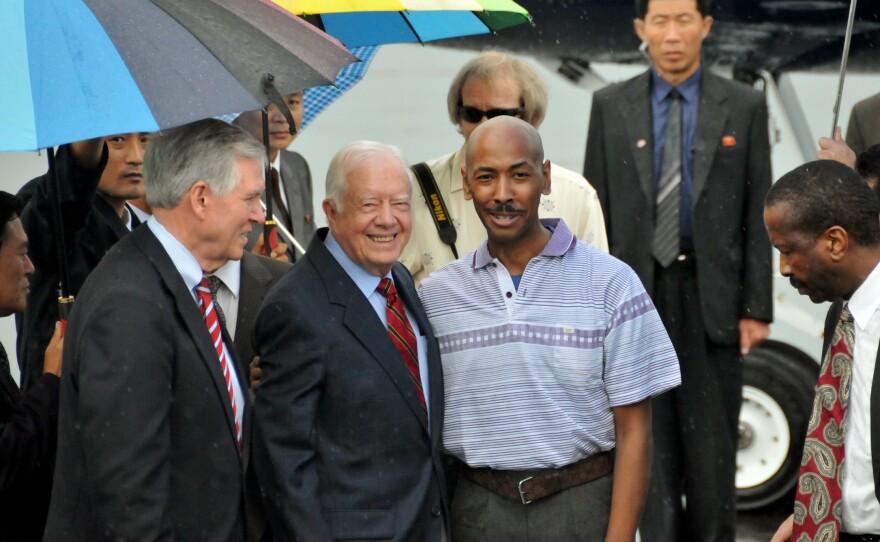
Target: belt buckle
[[522, 492]]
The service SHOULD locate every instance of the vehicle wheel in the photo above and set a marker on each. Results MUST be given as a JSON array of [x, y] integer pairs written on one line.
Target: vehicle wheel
[[778, 389]]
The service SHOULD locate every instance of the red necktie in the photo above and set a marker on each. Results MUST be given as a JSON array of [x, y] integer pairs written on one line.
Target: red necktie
[[206, 305], [817, 505], [401, 333]]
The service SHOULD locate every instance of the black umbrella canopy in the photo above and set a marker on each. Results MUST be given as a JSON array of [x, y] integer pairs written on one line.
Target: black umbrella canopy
[[252, 38]]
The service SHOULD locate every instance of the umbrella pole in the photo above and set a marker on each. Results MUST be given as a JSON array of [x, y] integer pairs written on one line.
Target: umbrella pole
[[65, 299], [846, 43], [270, 234]]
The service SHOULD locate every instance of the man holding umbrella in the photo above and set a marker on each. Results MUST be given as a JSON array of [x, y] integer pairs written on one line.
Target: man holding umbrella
[[93, 190], [153, 424]]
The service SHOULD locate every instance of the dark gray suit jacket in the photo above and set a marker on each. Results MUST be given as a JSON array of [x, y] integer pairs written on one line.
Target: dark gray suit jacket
[[343, 449], [863, 129], [146, 443], [297, 180], [731, 177], [258, 275]]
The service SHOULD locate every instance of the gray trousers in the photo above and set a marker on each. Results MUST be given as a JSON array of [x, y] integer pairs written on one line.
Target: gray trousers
[[580, 513]]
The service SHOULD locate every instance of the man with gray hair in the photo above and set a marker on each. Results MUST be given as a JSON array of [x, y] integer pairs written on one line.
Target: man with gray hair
[[350, 407], [490, 85], [153, 428]]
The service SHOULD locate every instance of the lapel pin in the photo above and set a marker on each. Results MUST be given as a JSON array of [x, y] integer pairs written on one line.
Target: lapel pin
[[641, 143], [728, 141]]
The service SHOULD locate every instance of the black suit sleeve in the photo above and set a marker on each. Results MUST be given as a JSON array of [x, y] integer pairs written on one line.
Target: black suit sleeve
[[594, 161], [124, 397], [285, 415], [28, 432], [757, 279]]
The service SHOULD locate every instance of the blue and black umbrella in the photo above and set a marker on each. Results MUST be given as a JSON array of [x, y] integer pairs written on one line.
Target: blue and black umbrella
[[80, 69]]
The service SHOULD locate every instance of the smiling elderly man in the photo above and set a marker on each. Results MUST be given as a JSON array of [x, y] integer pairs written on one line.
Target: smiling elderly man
[[350, 409]]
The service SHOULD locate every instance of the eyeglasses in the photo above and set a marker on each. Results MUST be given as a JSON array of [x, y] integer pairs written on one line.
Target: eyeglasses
[[474, 115]]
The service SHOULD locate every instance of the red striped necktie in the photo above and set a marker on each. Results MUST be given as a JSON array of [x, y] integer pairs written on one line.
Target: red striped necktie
[[206, 305], [817, 507], [401, 333]]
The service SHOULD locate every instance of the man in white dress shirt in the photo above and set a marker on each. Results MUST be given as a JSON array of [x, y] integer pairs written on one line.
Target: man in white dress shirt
[[823, 219]]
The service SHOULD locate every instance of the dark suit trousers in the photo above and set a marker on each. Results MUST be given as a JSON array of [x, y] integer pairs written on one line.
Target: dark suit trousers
[[695, 425]]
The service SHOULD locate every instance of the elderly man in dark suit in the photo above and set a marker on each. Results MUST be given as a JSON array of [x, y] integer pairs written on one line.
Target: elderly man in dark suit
[[153, 426], [823, 220], [350, 409], [680, 159]]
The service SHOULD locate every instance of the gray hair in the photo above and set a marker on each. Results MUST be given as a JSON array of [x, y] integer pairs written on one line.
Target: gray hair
[[494, 65], [351, 157], [200, 151]]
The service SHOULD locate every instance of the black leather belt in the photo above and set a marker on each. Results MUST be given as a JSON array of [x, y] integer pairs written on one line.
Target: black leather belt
[[528, 486]]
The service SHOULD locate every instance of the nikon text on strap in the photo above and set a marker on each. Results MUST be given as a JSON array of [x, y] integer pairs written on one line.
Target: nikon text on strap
[[435, 202]]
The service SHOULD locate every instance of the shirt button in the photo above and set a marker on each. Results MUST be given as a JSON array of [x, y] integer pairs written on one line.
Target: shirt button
[[509, 295], [435, 511]]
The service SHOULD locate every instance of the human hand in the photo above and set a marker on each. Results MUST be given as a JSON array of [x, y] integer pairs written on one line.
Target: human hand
[[52, 358], [87, 153], [751, 333], [255, 372], [280, 252], [836, 149], [783, 533]]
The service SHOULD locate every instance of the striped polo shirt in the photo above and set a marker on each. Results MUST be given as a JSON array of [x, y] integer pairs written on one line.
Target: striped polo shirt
[[531, 374]]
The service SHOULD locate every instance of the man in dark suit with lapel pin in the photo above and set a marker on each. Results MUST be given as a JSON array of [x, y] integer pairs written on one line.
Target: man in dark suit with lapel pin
[[153, 425], [349, 412], [823, 220], [680, 159], [292, 205]]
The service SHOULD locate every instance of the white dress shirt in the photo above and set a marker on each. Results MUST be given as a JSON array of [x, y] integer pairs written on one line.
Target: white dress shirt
[[227, 295], [861, 510]]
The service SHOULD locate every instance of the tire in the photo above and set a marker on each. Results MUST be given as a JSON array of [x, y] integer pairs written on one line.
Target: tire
[[778, 389]]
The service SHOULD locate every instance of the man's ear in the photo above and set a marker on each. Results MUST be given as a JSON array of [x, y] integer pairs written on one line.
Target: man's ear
[[545, 170], [198, 197], [836, 240], [329, 211], [464, 184], [639, 27]]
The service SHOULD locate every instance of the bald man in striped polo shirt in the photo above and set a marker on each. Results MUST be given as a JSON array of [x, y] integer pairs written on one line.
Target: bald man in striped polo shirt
[[551, 352]]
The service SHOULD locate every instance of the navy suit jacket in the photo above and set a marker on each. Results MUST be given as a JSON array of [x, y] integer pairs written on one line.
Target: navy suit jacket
[[343, 448]]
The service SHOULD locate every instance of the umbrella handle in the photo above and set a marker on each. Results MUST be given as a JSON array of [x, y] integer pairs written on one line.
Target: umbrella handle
[[65, 305], [270, 237], [274, 97]]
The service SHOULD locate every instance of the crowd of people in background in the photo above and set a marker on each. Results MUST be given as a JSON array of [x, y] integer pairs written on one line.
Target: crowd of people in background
[[481, 347]]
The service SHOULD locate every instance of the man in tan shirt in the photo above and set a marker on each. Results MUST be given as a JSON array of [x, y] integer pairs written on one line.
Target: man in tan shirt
[[490, 85]]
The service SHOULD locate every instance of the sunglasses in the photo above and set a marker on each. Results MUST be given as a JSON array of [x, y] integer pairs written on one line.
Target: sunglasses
[[474, 115]]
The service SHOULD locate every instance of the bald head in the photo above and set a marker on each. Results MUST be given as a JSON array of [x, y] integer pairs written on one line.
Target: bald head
[[502, 132]]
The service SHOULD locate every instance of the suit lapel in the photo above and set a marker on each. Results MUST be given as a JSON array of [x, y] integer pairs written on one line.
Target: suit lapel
[[711, 120], [358, 319], [194, 323], [636, 111]]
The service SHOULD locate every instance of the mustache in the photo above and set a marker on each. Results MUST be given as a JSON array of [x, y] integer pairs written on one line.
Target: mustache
[[796, 283], [505, 208]]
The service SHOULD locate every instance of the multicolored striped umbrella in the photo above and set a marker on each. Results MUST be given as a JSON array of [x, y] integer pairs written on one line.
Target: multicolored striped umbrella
[[376, 22]]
